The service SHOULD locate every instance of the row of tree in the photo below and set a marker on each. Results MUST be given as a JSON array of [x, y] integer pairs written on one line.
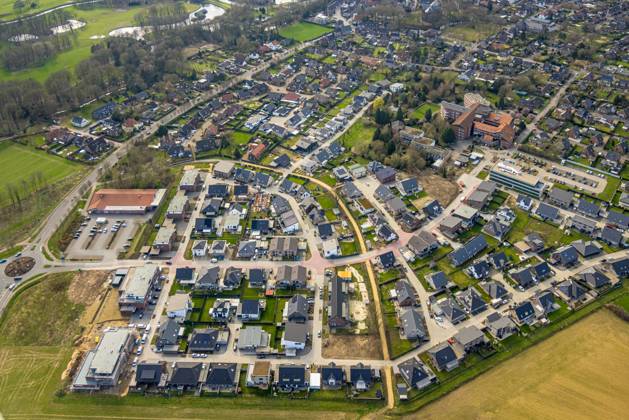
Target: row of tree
[[25, 55]]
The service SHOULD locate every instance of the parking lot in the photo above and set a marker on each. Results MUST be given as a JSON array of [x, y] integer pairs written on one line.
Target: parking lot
[[103, 237]]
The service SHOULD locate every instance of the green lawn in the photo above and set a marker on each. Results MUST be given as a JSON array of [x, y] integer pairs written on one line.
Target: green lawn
[[359, 133], [20, 163], [420, 112], [304, 31], [553, 236], [610, 188], [240, 137]]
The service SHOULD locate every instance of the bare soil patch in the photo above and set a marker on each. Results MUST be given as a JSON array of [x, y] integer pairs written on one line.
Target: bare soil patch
[[19, 267], [441, 189], [346, 346]]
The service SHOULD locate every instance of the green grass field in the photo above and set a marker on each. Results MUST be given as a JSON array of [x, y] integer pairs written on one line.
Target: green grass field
[[359, 133], [19, 163], [8, 13], [99, 22], [304, 31]]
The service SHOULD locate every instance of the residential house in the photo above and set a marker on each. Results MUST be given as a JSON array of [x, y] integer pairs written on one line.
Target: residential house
[[222, 377], [291, 378], [361, 377], [469, 339], [209, 280], [332, 376], [422, 243], [443, 357], [499, 326], [291, 277], [412, 325], [297, 309], [416, 374], [468, 251], [338, 307], [259, 374], [594, 278]]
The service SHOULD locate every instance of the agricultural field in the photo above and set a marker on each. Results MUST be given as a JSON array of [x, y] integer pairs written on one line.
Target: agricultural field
[[304, 31], [583, 364], [20, 163]]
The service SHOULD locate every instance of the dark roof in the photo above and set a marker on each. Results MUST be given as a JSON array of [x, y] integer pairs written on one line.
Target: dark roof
[[571, 289], [291, 375], [439, 279], [566, 255], [546, 211], [360, 372], [325, 229], [442, 354], [480, 269], [148, 373], [186, 374], [561, 196], [218, 190], [221, 374], [588, 208], [387, 259], [586, 248], [433, 209], [211, 277], [168, 333], [621, 267], [329, 373], [203, 340], [618, 219], [541, 270], [611, 235], [524, 310], [412, 371], [257, 276], [523, 277], [498, 259], [250, 306], [184, 273], [468, 251], [594, 278]]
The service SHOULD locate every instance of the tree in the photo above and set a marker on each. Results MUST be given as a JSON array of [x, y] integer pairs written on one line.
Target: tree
[[19, 6], [161, 131], [399, 115], [448, 136], [428, 115]]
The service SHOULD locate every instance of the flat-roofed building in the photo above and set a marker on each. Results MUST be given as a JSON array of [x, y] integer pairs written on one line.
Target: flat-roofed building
[[103, 365], [115, 201], [512, 176], [136, 290]]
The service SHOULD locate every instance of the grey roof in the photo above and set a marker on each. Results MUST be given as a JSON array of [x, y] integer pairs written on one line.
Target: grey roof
[[588, 208], [620, 266], [495, 289], [339, 305], [571, 289], [257, 276], [618, 219], [438, 280], [468, 251], [498, 260], [297, 308], [169, 332], [209, 278], [546, 211], [468, 335], [594, 278], [561, 196], [296, 332], [496, 228], [383, 193], [404, 291], [611, 236], [472, 300], [413, 324], [566, 255], [586, 248], [252, 336], [422, 241], [108, 351], [246, 249]]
